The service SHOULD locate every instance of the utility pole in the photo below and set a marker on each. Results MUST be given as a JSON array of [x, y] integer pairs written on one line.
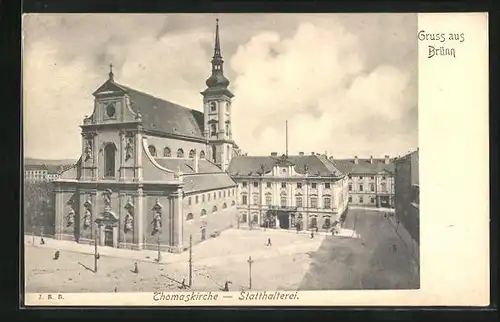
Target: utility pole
[[95, 249], [159, 250], [190, 260], [250, 261]]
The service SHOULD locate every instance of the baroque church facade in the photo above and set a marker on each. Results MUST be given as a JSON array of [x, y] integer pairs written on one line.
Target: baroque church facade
[[152, 173]]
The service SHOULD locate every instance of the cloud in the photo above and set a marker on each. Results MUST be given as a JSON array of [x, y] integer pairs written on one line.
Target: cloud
[[317, 80], [343, 84]]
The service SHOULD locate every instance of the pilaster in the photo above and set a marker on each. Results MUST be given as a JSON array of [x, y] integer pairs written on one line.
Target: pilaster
[[59, 214], [138, 227], [138, 156]]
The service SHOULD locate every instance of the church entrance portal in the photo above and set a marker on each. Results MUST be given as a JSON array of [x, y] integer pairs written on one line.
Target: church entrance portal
[[108, 236]]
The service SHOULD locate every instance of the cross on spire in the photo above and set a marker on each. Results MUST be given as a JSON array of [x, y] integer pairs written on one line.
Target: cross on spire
[[111, 75]]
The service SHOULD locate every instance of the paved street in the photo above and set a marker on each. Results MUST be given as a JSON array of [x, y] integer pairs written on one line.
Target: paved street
[[294, 261], [366, 263]]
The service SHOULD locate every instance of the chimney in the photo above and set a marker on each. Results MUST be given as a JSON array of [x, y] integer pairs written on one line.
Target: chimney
[[356, 159], [274, 154], [301, 153], [371, 159], [196, 168], [386, 161]]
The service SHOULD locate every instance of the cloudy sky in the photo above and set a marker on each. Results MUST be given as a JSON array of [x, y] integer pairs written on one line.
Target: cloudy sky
[[346, 83]]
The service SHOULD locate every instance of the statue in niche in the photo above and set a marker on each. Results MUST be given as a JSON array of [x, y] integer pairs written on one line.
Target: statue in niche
[[156, 221], [87, 215], [129, 218], [129, 148], [88, 149], [107, 199], [70, 217]]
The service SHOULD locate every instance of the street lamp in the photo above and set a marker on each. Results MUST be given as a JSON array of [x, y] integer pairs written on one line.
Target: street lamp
[[250, 261]]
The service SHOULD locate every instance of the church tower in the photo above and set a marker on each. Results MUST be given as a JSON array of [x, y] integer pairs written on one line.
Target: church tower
[[217, 110]]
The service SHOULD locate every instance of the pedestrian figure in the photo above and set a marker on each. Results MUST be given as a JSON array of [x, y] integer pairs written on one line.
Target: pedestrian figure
[[56, 255], [98, 256], [183, 284], [42, 241], [269, 242], [226, 286], [317, 229], [312, 234], [394, 248], [116, 289], [136, 268]]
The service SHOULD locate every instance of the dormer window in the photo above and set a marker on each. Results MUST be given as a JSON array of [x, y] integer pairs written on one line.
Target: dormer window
[[152, 150], [213, 106]]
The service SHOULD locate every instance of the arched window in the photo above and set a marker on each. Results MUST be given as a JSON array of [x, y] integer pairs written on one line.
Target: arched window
[[109, 160], [152, 150], [203, 212], [224, 205], [189, 217], [214, 209], [180, 153], [314, 222], [283, 199], [192, 154], [167, 152], [326, 222], [244, 218], [227, 128], [202, 154], [213, 106], [213, 129]]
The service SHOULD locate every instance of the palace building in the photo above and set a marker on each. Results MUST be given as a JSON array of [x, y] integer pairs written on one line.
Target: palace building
[[290, 192], [151, 173], [371, 181]]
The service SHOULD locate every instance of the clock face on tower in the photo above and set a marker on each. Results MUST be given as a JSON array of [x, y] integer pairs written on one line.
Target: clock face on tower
[[110, 110]]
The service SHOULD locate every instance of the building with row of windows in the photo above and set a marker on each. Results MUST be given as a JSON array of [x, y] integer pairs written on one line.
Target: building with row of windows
[[151, 173], [371, 181], [290, 192], [42, 172]]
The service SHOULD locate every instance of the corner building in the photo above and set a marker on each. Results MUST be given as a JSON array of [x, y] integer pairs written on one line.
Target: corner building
[[298, 192], [151, 172]]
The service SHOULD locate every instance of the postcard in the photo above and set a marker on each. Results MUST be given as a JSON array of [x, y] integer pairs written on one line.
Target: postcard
[[256, 159]]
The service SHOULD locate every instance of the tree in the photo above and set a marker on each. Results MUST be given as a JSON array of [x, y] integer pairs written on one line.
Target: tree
[[39, 207]]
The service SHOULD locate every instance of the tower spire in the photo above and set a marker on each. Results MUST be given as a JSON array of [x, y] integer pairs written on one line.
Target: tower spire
[[217, 79], [111, 75], [217, 52]]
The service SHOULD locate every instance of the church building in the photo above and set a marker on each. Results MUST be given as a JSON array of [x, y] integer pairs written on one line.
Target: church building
[[151, 172]]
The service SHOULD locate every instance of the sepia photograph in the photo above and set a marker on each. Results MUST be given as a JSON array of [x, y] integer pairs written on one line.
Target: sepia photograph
[[171, 153]]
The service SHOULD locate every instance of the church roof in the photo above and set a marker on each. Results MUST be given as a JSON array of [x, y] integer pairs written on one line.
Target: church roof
[[204, 182], [187, 165], [159, 115], [316, 165]]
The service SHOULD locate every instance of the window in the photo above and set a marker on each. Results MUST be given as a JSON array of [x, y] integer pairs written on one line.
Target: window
[[244, 184], [189, 201], [213, 106], [180, 153], [298, 201], [314, 202], [224, 205], [227, 107], [383, 178], [372, 200], [166, 152], [213, 129], [244, 218], [255, 219], [192, 154], [360, 178], [313, 185], [326, 222], [360, 199], [283, 200], [327, 185], [283, 185], [255, 199], [299, 185], [255, 184], [196, 199], [372, 187], [227, 128], [327, 203], [360, 187], [350, 199], [314, 222], [244, 199], [372, 178], [109, 160], [208, 195], [268, 185], [152, 150], [383, 187], [189, 217], [203, 198], [214, 209], [203, 212], [220, 194], [349, 176], [202, 154], [350, 187], [215, 195], [214, 153], [269, 199]]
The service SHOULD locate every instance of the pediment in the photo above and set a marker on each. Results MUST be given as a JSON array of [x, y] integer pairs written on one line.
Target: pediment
[[109, 87], [108, 217]]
